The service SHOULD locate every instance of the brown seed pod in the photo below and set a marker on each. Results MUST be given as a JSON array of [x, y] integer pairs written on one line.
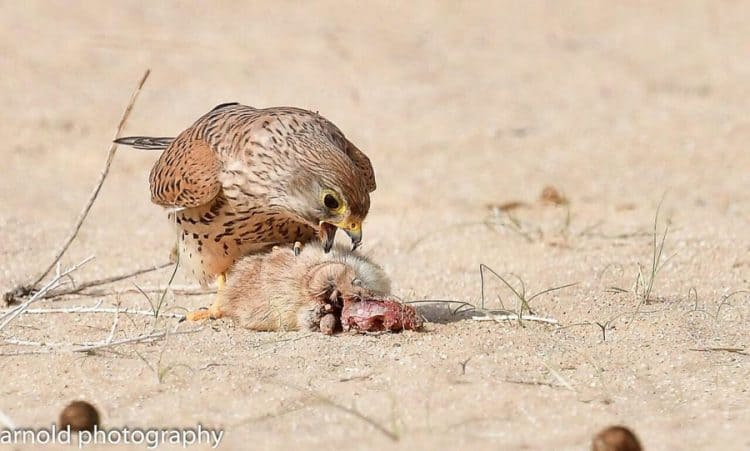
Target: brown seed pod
[[80, 416], [616, 438], [378, 315]]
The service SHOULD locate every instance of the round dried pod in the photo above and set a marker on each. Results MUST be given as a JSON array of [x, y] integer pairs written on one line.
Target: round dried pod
[[616, 438], [80, 416]]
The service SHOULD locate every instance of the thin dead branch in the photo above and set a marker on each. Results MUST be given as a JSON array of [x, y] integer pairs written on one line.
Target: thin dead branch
[[49, 348], [514, 317], [29, 289], [52, 284], [741, 351], [97, 309], [182, 290], [322, 399], [147, 338], [105, 281]]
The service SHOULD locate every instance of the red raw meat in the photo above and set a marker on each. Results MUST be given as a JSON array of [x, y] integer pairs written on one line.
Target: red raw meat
[[378, 314]]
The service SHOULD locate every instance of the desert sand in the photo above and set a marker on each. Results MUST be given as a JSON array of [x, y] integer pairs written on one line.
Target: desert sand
[[463, 108]]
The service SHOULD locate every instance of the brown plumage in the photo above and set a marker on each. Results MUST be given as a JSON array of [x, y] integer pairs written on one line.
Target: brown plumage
[[281, 291], [241, 180]]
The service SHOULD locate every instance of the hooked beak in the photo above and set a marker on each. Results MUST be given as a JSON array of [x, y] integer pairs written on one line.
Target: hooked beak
[[352, 227], [327, 234], [356, 236]]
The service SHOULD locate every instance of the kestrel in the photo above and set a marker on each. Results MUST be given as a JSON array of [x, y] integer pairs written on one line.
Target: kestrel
[[241, 180]]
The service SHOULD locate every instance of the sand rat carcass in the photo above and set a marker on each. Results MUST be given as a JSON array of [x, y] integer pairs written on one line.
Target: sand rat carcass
[[315, 290]]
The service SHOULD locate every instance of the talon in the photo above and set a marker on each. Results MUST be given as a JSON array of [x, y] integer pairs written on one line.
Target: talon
[[213, 312], [297, 248]]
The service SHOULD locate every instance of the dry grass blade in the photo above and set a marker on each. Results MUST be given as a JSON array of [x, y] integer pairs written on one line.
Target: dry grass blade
[[50, 348], [183, 290], [147, 338], [156, 306], [514, 317], [461, 304], [112, 331], [645, 280], [96, 309], [521, 296], [160, 370], [394, 436], [741, 351], [52, 284], [105, 281], [558, 376], [95, 193], [356, 413], [18, 342]]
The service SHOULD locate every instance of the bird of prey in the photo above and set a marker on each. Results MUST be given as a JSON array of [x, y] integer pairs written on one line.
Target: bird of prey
[[241, 180]]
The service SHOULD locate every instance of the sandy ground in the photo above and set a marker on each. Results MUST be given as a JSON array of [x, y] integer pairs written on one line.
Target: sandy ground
[[459, 108]]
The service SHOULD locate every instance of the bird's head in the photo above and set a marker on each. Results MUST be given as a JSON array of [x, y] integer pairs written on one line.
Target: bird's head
[[332, 196]]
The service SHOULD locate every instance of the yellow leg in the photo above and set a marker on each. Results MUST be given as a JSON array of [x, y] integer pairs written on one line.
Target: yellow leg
[[213, 312]]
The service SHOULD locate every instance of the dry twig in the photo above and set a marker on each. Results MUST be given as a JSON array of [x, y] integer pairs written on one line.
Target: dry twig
[[55, 282], [78, 289], [49, 348], [514, 317], [28, 289], [322, 399], [183, 290], [147, 338], [741, 351], [97, 309]]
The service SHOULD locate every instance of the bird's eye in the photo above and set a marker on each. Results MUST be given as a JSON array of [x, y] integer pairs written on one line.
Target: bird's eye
[[331, 202]]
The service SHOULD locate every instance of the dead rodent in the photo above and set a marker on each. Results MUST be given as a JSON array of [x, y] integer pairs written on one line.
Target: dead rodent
[[281, 291], [615, 438], [79, 416]]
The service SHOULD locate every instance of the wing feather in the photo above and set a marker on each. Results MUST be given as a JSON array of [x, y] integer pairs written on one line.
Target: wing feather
[[186, 175], [146, 142]]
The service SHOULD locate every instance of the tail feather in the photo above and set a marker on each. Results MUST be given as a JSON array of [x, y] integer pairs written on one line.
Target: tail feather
[[146, 142]]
